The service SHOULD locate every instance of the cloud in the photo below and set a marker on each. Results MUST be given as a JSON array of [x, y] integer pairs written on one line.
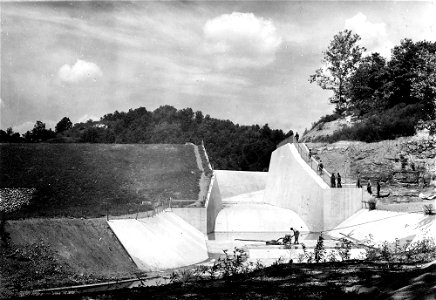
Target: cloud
[[85, 118], [241, 40], [428, 21], [80, 71], [374, 35], [28, 125]]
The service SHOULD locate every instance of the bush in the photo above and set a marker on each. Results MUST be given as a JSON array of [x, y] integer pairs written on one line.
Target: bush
[[428, 209], [398, 121], [326, 118], [372, 204]]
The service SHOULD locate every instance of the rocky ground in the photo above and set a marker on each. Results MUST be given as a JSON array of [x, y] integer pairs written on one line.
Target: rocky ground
[[405, 167]]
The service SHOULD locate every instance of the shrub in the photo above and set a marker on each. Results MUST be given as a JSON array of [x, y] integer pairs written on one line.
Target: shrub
[[428, 209], [344, 249], [319, 250], [398, 121], [372, 204]]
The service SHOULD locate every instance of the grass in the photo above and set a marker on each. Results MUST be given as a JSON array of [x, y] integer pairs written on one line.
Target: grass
[[87, 180]]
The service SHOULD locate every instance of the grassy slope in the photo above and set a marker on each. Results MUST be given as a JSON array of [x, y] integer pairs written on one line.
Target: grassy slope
[[61, 252], [78, 179]]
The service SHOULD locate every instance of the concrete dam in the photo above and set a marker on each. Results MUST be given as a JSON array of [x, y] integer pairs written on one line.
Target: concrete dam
[[240, 205]]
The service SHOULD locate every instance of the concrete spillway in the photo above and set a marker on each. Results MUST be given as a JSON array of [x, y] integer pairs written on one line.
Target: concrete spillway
[[257, 218], [244, 208], [161, 242]]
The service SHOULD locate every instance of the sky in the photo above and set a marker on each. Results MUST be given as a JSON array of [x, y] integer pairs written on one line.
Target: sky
[[246, 61]]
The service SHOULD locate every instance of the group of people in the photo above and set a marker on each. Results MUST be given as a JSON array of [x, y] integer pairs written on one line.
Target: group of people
[[369, 186], [336, 181]]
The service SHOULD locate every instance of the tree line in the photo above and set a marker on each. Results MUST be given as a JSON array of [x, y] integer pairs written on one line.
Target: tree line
[[389, 98], [229, 146]]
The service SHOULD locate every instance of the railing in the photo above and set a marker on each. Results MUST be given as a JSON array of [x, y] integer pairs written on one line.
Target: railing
[[314, 164], [163, 206]]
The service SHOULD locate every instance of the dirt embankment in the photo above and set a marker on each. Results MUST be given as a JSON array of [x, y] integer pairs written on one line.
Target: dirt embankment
[[324, 129], [48, 252], [405, 166], [88, 180]]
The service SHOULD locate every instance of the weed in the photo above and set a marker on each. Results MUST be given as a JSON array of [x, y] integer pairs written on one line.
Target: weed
[[428, 209], [319, 250], [344, 249], [278, 261], [258, 265], [372, 203], [331, 256]]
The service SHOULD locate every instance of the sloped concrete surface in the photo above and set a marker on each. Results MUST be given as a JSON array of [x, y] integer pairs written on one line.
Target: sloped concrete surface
[[161, 242], [385, 226]]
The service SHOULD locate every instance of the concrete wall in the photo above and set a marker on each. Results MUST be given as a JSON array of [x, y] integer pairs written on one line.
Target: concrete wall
[[233, 183], [340, 204], [203, 218], [213, 204], [195, 216], [294, 185]]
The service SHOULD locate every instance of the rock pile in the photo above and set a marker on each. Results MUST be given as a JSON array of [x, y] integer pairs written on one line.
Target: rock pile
[[12, 199], [422, 149]]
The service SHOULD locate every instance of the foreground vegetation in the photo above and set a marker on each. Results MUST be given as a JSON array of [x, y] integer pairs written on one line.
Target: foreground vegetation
[[288, 280]]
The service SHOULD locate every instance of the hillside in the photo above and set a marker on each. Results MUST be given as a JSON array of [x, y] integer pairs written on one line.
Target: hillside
[[322, 130], [60, 252], [88, 180], [404, 166]]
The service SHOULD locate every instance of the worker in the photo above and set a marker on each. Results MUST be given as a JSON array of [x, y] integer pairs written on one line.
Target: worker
[[320, 167], [333, 180], [358, 183], [339, 180], [297, 136], [296, 235], [368, 187], [378, 188]]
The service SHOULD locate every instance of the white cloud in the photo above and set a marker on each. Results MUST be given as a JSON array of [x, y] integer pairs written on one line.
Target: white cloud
[[26, 126], [81, 70], [428, 22], [374, 35], [85, 118], [241, 40]]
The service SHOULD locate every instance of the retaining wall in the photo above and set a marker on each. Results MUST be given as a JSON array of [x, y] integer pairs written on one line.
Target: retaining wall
[[195, 216], [293, 184], [203, 218], [213, 204], [233, 183]]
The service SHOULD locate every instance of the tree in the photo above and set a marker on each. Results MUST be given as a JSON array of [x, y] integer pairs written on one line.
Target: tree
[[368, 90], [9, 136], [63, 125], [39, 133], [423, 86], [340, 61], [412, 68]]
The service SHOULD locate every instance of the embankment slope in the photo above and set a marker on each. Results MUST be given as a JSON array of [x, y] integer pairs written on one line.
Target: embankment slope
[[78, 180]]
